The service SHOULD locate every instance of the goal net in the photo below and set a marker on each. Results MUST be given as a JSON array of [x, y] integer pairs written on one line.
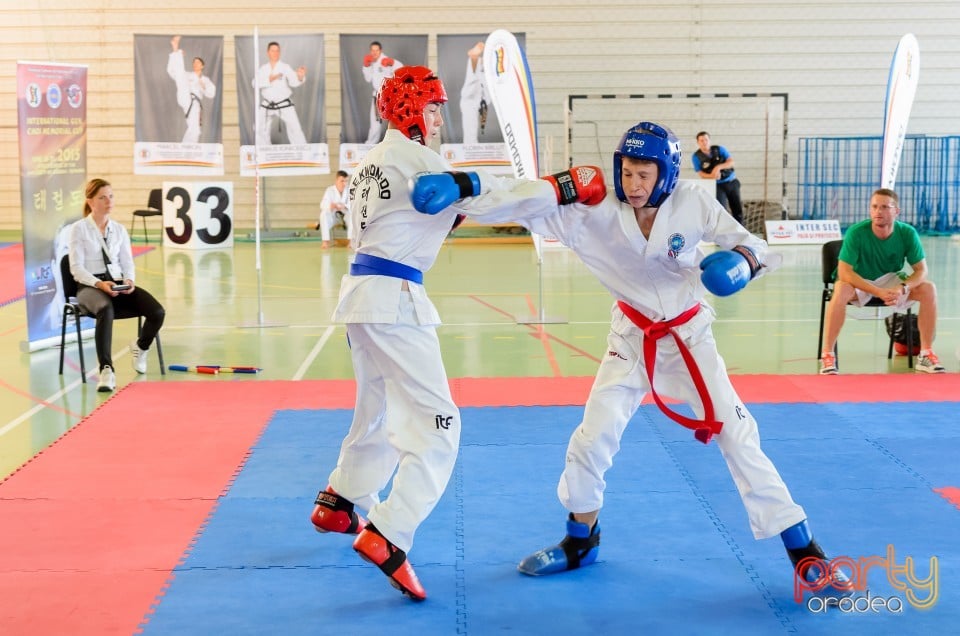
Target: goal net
[[752, 126]]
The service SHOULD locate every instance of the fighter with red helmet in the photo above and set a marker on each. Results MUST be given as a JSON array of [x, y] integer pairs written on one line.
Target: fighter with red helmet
[[405, 423]]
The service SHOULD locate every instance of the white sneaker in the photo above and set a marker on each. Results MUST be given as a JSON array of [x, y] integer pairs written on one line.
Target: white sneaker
[[107, 381], [828, 363], [929, 364], [138, 358]]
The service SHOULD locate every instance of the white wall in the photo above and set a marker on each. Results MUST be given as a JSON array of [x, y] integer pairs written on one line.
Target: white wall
[[832, 58]]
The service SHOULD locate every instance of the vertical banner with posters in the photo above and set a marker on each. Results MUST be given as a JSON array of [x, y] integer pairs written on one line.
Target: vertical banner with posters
[[280, 90], [52, 127], [471, 132], [178, 89], [365, 61]]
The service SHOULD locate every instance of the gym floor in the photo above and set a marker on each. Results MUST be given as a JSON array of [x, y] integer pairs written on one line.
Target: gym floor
[[504, 316]]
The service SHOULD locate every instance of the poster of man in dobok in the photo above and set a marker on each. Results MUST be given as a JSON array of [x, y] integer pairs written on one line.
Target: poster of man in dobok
[[280, 88], [365, 61], [177, 82], [471, 131]]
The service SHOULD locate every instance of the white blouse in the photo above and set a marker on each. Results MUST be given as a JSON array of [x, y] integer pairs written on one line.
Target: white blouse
[[86, 251]]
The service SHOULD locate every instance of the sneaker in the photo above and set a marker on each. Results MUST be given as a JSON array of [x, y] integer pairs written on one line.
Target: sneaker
[[392, 561], [929, 364], [333, 513], [828, 364], [107, 381], [138, 357]]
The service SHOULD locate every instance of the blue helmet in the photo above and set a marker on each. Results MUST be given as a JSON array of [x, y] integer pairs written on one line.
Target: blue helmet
[[650, 142]]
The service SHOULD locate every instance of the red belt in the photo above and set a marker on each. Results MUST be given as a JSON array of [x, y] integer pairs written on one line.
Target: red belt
[[703, 429]]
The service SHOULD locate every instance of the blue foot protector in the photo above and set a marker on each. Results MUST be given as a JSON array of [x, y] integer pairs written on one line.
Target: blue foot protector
[[579, 548], [812, 564]]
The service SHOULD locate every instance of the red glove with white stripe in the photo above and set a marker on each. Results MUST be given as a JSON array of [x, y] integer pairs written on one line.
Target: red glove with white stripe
[[580, 184]]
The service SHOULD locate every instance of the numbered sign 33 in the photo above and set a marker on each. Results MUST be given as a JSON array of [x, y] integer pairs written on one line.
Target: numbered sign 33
[[198, 215]]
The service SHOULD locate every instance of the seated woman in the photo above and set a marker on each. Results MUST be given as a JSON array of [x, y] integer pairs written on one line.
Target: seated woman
[[101, 262]]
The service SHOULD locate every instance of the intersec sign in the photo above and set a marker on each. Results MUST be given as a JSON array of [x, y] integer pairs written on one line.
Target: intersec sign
[[802, 232]]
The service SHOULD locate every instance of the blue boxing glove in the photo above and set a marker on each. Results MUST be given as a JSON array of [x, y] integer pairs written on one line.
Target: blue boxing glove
[[729, 271], [432, 192]]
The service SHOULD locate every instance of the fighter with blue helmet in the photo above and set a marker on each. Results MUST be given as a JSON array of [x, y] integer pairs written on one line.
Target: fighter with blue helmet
[[643, 246]]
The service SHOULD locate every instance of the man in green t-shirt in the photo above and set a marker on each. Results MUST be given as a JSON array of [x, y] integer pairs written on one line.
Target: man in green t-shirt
[[871, 265]]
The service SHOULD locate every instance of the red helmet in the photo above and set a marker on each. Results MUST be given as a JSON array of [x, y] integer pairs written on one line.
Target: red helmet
[[403, 97]]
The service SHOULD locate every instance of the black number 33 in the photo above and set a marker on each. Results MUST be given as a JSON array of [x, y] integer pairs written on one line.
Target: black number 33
[[181, 195]]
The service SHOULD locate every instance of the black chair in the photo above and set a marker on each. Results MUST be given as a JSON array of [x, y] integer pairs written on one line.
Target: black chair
[[72, 308], [830, 257], [154, 208]]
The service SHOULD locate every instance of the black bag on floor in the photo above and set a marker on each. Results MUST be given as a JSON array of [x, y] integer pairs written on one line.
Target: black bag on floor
[[900, 333]]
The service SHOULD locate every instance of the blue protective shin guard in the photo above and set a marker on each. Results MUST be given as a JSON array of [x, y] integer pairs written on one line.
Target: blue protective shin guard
[[811, 563], [579, 548], [797, 536]]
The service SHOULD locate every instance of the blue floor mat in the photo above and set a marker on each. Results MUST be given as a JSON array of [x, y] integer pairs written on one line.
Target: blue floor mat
[[677, 554]]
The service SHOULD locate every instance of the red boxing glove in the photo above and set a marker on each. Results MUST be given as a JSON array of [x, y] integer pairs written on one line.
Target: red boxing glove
[[368, 59], [386, 61], [581, 184]]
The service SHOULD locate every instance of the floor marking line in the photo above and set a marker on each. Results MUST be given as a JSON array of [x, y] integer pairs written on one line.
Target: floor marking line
[[317, 348]]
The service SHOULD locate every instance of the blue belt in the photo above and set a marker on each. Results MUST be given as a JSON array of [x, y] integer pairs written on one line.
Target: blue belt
[[369, 265]]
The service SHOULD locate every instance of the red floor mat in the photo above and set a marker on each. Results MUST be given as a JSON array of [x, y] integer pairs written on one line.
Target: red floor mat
[[951, 494], [751, 388], [12, 284], [92, 526]]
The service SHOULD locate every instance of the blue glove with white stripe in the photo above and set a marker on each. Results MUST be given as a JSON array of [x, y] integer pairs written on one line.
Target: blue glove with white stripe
[[728, 271], [432, 192]]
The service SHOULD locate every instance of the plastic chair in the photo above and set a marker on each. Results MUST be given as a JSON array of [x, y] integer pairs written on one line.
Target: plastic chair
[[154, 208], [73, 308], [830, 257]]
